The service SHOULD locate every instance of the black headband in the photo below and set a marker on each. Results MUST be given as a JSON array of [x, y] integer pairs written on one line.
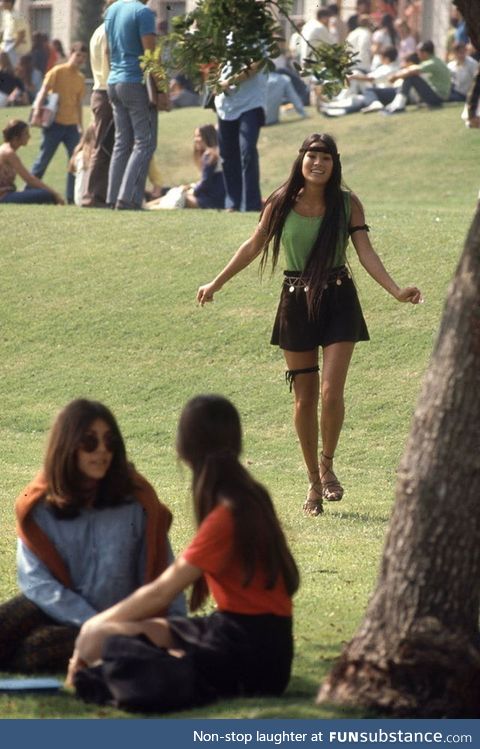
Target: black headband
[[318, 149]]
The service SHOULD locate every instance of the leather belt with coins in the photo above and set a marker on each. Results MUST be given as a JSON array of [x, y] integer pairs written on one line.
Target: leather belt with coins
[[336, 276]]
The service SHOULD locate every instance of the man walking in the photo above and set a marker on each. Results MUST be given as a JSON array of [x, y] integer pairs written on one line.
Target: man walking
[[69, 84], [130, 28]]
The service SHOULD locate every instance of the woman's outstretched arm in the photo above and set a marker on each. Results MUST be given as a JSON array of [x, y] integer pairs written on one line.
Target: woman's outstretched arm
[[372, 263], [247, 252]]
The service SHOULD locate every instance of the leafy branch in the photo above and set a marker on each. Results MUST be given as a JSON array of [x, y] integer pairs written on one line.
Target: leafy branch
[[219, 33]]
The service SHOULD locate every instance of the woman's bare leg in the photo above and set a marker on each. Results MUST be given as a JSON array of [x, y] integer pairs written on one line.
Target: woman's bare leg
[[306, 390], [336, 361]]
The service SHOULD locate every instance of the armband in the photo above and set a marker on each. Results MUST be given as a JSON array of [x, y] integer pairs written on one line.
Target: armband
[[364, 227]]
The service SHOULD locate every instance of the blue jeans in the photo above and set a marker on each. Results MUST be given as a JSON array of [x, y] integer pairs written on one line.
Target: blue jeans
[[51, 138], [425, 92], [28, 196], [135, 143], [238, 150]]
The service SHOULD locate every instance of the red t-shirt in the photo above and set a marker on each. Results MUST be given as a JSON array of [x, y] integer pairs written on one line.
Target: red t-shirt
[[212, 550]]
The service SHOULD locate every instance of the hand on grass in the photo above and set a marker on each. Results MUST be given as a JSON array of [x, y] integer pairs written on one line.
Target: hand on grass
[[74, 664]]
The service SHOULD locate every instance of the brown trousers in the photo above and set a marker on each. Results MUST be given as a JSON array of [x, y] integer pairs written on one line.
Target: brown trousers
[[97, 180]]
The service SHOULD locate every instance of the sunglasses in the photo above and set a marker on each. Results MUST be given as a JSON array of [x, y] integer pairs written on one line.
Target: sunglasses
[[90, 442]]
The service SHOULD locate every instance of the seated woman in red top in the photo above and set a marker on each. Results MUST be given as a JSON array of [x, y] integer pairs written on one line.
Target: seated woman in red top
[[239, 554]]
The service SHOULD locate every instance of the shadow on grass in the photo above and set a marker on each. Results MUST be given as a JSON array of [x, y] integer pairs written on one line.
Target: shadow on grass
[[297, 703], [361, 517]]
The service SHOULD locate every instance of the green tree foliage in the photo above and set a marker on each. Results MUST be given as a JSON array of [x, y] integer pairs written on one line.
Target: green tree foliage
[[239, 33]]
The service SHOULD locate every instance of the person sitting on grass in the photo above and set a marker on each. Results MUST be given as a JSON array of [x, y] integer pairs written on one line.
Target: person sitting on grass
[[376, 93], [90, 531], [209, 191], [15, 135], [239, 554], [430, 79]]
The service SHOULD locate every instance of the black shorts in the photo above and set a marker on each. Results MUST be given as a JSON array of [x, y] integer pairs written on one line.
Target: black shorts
[[339, 317], [237, 653]]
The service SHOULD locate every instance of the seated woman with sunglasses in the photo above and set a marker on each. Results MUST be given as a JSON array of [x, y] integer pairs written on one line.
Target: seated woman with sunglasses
[[90, 531]]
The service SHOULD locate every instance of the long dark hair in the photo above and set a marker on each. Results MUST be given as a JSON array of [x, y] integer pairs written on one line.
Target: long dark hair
[[388, 24], [66, 492], [209, 439], [333, 228]]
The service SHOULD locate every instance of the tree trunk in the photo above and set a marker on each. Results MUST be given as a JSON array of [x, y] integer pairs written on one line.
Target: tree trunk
[[417, 652], [470, 10]]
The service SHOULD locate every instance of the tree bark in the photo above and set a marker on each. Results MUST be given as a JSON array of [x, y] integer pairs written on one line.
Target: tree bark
[[470, 10], [417, 652]]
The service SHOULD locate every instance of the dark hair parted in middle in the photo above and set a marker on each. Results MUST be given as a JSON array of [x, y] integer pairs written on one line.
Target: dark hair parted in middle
[[333, 228], [67, 488], [209, 440]]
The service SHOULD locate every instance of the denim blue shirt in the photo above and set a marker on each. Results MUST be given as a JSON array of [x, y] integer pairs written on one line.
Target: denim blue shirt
[[126, 22], [105, 553], [247, 95]]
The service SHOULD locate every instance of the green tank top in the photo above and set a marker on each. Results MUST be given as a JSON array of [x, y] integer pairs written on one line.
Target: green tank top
[[299, 234]]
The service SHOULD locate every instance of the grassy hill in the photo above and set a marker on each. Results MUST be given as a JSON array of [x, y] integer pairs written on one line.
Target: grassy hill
[[102, 304]]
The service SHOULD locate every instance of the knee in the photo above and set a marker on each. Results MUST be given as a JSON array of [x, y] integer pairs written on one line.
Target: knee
[[332, 396], [306, 401]]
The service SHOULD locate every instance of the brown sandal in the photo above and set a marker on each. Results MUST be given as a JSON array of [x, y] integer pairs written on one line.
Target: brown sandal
[[332, 489], [313, 505]]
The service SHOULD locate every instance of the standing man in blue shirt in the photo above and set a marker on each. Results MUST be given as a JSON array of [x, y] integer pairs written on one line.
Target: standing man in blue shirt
[[241, 114], [130, 28]]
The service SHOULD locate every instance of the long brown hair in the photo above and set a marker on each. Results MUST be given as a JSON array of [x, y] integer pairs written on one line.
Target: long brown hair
[[66, 486], [333, 228], [209, 439], [208, 134]]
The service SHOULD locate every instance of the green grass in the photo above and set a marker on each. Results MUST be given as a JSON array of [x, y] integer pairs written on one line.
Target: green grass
[[101, 304]]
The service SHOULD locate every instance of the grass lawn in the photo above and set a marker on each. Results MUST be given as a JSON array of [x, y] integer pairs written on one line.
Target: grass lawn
[[101, 304]]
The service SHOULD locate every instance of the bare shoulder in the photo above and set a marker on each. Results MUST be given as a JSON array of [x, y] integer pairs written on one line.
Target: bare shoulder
[[357, 212]]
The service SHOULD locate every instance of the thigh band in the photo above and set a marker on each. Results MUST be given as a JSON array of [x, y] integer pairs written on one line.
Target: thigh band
[[290, 374]]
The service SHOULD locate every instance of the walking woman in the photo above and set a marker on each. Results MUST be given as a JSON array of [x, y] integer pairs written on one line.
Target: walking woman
[[90, 531], [239, 554], [311, 216]]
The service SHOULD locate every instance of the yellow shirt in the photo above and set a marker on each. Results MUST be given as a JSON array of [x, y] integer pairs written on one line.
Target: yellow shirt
[[66, 81], [12, 25], [99, 58]]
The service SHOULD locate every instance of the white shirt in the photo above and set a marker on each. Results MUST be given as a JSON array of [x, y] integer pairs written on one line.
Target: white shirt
[[360, 40], [12, 24], [99, 58], [381, 75], [315, 33], [463, 75]]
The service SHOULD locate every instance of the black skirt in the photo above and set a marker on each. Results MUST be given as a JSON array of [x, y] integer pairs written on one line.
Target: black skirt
[[237, 654], [339, 317]]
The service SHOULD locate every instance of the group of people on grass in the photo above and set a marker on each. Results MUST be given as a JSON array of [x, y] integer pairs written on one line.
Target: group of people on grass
[[110, 163], [123, 135], [99, 585]]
